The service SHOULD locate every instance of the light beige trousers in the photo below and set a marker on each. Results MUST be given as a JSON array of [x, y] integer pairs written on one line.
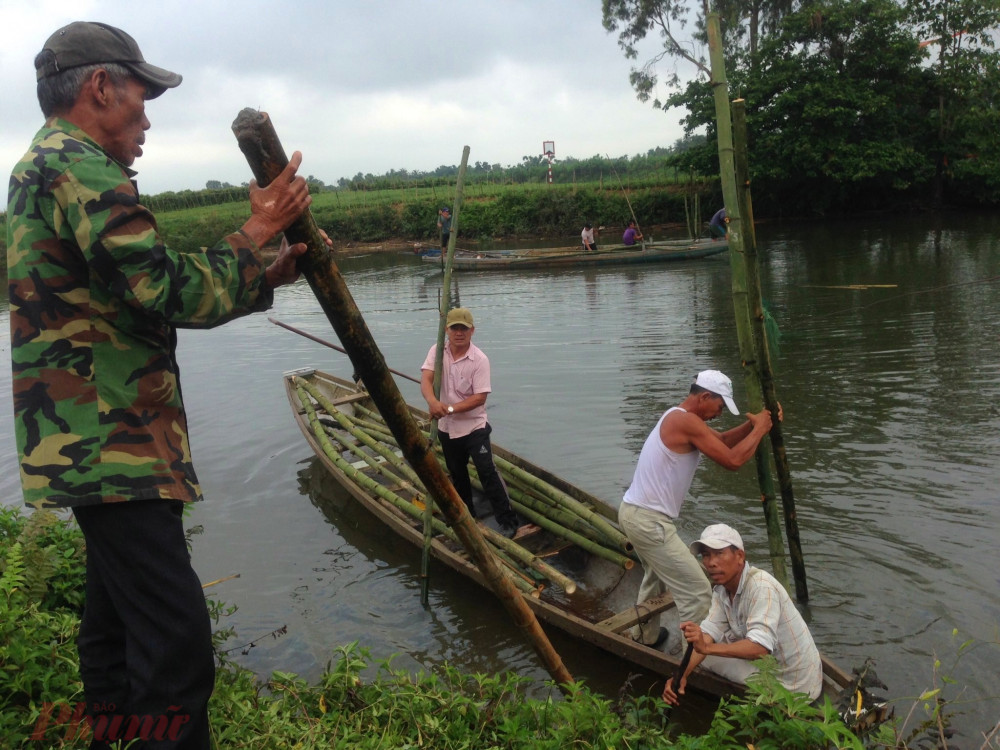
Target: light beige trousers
[[667, 565]]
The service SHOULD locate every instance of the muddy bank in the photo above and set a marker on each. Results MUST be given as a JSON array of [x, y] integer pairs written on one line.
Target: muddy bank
[[400, 245]]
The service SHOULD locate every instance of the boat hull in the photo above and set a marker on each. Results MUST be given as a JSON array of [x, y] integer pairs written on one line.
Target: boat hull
[[616, 255], [603, 608]]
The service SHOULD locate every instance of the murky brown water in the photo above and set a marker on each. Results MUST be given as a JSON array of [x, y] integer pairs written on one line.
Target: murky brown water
[[892, 403]]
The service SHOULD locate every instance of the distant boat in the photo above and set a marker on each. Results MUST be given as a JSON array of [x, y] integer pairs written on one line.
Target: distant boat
[[573, 257]]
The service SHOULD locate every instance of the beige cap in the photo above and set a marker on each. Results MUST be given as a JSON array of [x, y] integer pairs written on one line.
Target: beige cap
[[458, 316]]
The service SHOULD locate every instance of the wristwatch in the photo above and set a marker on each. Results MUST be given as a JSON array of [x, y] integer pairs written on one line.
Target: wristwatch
[[451, 409]]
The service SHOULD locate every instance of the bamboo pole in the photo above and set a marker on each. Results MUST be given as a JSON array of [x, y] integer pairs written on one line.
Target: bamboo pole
[[425, 558], [260, 144], [762, 355], [737, 246], [552, 574], [370, 484], [627, 201], [571, 503], [360, 434], [544, 490], [594, 535], [318, 340]]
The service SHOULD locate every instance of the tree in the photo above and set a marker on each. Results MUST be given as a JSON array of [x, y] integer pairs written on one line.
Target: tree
[[836, 111], [635, 19], [838, 108], [960, 35]]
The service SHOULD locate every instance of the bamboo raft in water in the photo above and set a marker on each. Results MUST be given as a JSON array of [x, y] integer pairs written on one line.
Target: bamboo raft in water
[[578, 574]]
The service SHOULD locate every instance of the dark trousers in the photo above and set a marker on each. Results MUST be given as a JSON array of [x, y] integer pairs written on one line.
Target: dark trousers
[[146, 639], [476, 445]]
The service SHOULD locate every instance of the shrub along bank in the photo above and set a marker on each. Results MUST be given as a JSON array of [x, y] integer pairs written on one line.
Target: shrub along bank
[[41, 585], [41, 598]]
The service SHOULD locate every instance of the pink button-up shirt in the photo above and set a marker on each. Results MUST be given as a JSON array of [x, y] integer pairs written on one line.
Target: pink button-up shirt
[[461, 378]]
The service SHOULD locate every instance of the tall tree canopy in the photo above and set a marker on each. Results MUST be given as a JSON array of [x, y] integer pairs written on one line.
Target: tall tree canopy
[[845, 105]]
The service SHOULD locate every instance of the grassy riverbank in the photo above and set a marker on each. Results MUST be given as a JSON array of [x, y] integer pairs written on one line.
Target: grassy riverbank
[[41, 593], [408, 215]]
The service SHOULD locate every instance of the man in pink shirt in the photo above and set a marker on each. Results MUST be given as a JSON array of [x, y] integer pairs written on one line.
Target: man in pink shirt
[[461, 414]]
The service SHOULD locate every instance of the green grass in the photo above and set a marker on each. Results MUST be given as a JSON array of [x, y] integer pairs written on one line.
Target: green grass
[[41, 584]]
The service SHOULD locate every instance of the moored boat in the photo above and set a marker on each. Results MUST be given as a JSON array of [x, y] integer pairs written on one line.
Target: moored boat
[[578, 574], [574, 257]]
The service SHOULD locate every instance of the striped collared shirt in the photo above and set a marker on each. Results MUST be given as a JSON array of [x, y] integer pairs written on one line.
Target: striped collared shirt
[[763, 612]]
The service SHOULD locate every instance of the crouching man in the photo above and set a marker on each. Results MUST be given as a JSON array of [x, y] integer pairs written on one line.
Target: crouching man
[[751, 615]]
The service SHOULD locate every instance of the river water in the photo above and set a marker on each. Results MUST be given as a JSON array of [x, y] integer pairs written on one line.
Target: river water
[[888, 372]]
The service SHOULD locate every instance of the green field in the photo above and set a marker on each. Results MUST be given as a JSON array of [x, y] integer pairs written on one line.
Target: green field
[[489, 210]]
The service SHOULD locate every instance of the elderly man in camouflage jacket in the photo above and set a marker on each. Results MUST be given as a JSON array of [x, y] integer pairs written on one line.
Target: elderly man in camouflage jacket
[[95, 301]]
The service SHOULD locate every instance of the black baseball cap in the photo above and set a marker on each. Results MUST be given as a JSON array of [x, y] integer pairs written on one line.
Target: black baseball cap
[[93, 43]]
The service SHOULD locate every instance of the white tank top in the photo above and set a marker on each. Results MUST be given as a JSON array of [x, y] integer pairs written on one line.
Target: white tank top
[[662, 477]]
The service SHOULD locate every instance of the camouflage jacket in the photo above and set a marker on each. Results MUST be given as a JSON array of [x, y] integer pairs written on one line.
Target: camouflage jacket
[[95, 301]]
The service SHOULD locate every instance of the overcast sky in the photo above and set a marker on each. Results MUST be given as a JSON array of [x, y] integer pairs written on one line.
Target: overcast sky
[[356, 85]]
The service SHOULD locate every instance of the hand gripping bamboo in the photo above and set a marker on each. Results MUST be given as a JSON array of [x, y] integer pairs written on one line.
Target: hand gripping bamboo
[[259, 143]]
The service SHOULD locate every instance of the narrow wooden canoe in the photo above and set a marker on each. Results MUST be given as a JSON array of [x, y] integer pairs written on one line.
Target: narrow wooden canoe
[[601, 610], [610, 255]]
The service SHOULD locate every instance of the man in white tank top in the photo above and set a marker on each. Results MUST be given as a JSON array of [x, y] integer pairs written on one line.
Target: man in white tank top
[[663, 476]]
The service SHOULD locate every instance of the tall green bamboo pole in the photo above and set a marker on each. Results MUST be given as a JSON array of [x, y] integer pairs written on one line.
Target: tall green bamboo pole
[[260, 144], [763, 356], [737, 250], [445, 303]]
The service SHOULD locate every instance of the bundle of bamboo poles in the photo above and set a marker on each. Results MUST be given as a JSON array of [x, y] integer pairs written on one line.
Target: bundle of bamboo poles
[[360, 433]]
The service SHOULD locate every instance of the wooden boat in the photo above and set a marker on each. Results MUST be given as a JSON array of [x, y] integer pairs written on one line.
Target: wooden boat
[[573, 257], [602, 609]]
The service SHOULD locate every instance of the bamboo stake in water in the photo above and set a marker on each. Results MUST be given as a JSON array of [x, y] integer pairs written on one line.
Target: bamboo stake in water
[[425, 558], [764, 370], [741, 309]]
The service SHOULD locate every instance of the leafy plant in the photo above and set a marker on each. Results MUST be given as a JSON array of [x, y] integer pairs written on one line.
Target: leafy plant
[[356, 705]]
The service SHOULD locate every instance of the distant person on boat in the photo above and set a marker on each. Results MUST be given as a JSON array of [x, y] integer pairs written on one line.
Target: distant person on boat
[[444, 226], [461, 414], [718, 225], [587, 235], [751, 616], [663, 476], [632, 234]]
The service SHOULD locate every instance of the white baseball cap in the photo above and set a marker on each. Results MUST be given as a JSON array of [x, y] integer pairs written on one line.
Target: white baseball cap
[[720, 385], [717, 536]]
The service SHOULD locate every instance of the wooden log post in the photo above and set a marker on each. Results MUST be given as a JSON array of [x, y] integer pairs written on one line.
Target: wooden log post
[[260, 144], [737, 250]]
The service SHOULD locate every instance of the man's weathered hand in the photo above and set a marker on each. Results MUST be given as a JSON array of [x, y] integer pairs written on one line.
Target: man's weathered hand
[[275, 207], [668, 691], [284, 270], [761, 420]]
